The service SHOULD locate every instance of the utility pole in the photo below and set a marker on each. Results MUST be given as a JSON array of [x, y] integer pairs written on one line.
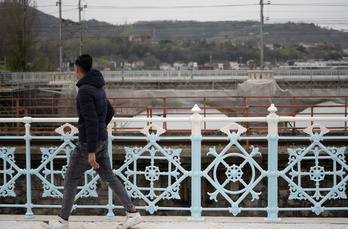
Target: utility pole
[[81, 27], [261, 36], [60, 36]]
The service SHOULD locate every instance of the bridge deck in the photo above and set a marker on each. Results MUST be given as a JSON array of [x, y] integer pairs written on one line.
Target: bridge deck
[[172, 222]]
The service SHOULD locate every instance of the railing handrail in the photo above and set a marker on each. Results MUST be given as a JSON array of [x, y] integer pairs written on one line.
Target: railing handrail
[[178, 119]]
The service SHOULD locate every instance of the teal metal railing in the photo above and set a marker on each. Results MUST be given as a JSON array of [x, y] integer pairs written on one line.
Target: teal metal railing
[[231, 176]]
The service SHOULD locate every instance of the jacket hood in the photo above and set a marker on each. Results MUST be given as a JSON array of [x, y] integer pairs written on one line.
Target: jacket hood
[[93, 77]]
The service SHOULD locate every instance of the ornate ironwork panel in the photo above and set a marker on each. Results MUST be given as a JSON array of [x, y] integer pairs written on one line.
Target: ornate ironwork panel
[[158, 162], [306, 182], [54, 164], [9, 172], [234, 173]]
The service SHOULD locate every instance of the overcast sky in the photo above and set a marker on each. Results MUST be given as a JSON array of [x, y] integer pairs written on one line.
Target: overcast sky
[[327, 13]]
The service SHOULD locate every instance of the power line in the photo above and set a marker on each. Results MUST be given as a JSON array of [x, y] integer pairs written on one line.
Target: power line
[[165, 7], [209, 6], [115, 18], [309, 4]]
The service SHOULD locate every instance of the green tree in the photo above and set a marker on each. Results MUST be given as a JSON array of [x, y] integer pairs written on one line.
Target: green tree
[[151, 62], [17, 29]]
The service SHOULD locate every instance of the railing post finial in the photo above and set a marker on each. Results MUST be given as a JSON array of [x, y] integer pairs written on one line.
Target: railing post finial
[[272, 120], [196, 120], [195, 110], [272, 109]]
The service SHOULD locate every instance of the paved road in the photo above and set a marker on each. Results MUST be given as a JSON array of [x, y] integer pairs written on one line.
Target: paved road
[[169, 222]]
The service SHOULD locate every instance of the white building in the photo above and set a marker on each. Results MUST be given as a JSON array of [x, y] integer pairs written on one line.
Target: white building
[[165, 66]]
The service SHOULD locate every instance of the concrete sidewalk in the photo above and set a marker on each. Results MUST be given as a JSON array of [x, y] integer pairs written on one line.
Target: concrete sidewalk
[[170, 222]]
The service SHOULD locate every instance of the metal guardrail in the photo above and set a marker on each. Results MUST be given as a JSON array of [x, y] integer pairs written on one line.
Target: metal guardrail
[[225, 170], [211, 106]]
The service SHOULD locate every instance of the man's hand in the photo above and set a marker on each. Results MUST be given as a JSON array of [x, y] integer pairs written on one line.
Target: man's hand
[[92, 161]]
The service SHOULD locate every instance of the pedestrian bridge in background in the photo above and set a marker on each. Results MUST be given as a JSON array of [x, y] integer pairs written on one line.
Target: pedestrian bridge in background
[[22, 79]]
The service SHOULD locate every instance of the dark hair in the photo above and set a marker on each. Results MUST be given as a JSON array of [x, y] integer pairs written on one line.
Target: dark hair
[[84, 61]]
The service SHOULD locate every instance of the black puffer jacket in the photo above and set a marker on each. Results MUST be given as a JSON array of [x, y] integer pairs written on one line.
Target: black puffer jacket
[[93, 109]]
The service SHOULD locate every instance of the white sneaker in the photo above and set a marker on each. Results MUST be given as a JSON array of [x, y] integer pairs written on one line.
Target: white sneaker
[[132, 219], [58, 223]]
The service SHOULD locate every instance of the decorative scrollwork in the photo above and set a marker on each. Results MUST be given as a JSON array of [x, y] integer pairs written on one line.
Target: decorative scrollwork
[[152, 173], [10, 173], [323, 129], [234, 173], [162, 163], [147, 130], [62, 129], [317, 173], [227, 129], [47, 171], [323, 158]]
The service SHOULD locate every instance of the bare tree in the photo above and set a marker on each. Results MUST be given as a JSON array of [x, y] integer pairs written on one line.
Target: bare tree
[[17, 32]]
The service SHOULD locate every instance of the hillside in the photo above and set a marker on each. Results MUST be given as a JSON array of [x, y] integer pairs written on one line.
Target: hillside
[[153, 43], [194, 30], [222, 31]]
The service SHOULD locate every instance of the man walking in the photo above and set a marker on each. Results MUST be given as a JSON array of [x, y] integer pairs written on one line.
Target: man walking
[[94, 112]]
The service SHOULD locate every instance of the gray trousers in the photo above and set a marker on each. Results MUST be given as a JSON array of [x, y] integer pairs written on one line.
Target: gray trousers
[[78, 165]]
